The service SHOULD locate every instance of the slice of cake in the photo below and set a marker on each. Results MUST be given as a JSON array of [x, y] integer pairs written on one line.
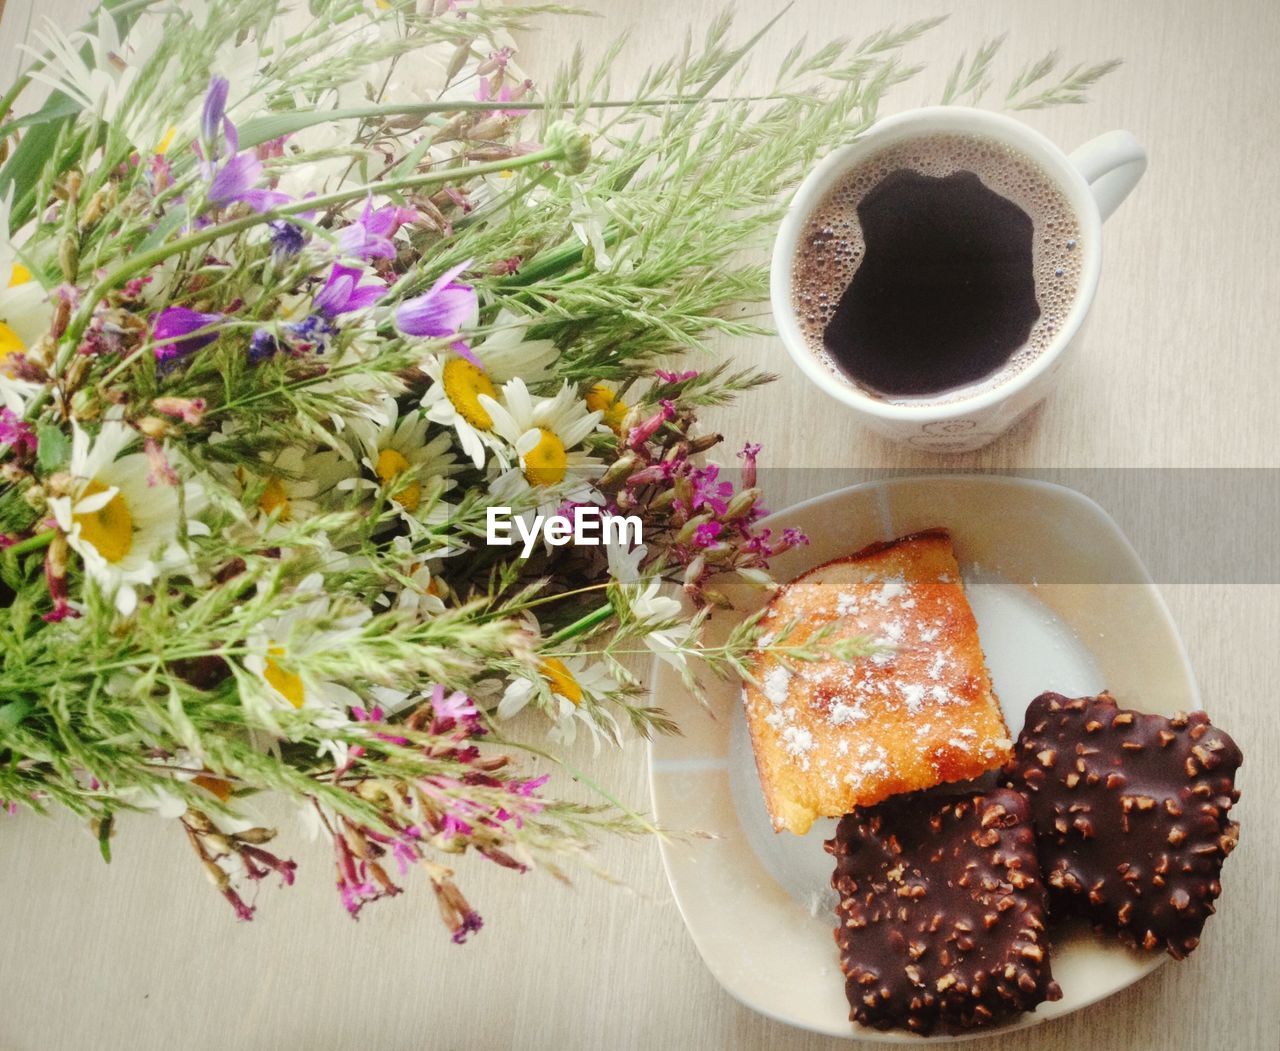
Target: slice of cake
[[830, 735]]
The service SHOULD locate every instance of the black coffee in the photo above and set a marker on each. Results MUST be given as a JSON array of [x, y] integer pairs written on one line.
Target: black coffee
[[936, 268]]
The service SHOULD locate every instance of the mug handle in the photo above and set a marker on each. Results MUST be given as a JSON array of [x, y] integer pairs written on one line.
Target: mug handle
[[1111, 164]]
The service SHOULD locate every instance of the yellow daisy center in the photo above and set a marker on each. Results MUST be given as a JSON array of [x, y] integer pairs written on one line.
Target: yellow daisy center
[[10, 344], [109, 529], [19, 275], [464, 382], [546, 462], [556, 674], [285, 683], [391, 465], [601, 399], [274, 497]]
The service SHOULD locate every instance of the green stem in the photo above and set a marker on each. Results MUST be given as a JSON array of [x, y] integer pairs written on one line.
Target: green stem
[[559, 596], [33, 543], [583, 624]]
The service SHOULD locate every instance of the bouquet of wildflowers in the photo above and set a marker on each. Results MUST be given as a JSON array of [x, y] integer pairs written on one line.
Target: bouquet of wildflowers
[[290, 302]]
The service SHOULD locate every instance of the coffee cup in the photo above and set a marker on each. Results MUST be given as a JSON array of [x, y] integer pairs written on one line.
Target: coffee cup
[[1093, 181]]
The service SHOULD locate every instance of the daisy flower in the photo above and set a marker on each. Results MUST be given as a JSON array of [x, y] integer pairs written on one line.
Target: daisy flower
[[423, 594], [615, 405], [25, 316], [280, 646], [508, 351], [25, 310], [590, 219], [393, 446], [106, 80], [452, 400], [124, 528], [570, 691], [109, 80], [624, 563], [296, 482], [545, 433], [669, 635]]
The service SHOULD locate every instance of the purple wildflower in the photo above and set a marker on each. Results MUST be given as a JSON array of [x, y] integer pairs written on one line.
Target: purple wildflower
[[235, 181], [505, 93], [455, 709], [311, 332], [158, 174], [793, 537], [760, 543], [496, 62], [748, 457], [258, 862], [529, 786], [16, 432], [471, 923], [707, 534], [441, 311], [343, 292], [360, 879], [243, 911], [667, 376], [459, 198], [160, 470], [179, 331], [286, 239], [262, 345], [214, 112], [369, 237], [709, 493], [55, 578], [648, 428], [405, 852]]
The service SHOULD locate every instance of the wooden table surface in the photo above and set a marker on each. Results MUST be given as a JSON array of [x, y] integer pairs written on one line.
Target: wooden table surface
[[1179, 370]]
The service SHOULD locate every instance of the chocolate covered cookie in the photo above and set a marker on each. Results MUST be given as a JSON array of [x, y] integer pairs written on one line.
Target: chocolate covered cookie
[[942, 911], [1131, 814]]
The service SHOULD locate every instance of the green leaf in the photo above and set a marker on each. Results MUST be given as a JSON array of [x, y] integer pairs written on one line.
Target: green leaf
[[54, 448], [272, 126], [171, 221], [57, 107], [22, 170], [105, 825], [13, 713]]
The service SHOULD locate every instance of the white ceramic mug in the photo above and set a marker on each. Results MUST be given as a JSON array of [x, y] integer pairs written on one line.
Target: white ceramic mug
[[1094, 179]]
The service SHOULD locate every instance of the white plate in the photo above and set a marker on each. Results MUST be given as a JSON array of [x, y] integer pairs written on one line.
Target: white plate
[[1062, 602]]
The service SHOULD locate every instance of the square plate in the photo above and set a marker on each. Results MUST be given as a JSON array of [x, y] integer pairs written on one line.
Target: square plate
[[1062, 602]]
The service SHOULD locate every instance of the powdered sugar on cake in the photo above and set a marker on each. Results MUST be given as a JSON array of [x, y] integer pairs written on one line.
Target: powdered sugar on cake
[[900, 617], [834, 734]]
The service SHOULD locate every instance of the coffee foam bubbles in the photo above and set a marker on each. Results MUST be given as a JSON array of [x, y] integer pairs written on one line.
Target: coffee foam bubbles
[[830, 247]]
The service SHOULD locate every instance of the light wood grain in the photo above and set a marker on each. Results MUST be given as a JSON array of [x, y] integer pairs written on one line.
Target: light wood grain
[[1179, 370]]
